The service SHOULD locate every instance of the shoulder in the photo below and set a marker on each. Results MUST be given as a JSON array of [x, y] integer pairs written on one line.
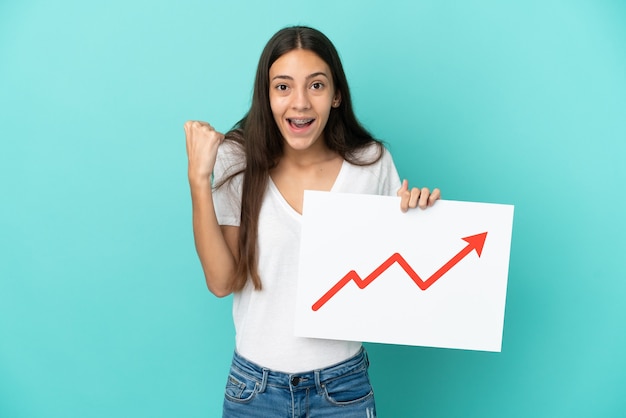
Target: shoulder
[[373, 172], [230, 163], [374, 153], [231, 149], [231, 157]]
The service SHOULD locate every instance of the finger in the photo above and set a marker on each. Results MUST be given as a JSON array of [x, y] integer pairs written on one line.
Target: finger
[[404, 202], [434, 196], [405, 196], [423, 199], [186, 127], [404, 188], [415, 194], [204, 125]]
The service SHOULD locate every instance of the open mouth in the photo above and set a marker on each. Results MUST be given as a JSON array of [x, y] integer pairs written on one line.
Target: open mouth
[[300, 123]]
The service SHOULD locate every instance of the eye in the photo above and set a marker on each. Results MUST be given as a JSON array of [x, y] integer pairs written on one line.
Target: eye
[[317, 85], [281, 87]]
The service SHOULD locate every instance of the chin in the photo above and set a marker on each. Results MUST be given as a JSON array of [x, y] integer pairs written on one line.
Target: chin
[[299, 144]]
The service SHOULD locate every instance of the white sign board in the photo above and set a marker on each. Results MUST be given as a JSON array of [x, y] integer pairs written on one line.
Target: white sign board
[[434, 277]]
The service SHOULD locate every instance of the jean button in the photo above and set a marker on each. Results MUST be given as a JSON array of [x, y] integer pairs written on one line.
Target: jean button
[[295, 380]]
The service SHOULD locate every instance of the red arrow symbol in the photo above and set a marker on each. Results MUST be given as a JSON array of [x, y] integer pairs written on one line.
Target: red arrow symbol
[[474, 242]]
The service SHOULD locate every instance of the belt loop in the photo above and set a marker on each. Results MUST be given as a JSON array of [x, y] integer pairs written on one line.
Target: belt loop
[[367, 359], [318, 382], [264, 380]]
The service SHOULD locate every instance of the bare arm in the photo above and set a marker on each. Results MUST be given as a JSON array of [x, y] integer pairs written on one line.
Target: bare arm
[[216, 245]]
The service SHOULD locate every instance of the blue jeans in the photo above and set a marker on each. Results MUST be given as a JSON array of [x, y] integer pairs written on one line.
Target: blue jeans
[[342, 390]]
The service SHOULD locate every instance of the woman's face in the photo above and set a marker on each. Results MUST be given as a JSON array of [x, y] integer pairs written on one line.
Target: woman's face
[[301, 96]]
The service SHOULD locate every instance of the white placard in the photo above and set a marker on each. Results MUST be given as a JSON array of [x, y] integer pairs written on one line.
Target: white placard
[[434, 277]]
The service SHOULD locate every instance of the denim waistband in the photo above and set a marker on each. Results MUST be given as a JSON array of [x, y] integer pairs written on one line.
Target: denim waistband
[[303, 380]]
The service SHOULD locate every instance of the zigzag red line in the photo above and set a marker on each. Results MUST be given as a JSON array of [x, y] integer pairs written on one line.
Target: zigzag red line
[[395, 258]]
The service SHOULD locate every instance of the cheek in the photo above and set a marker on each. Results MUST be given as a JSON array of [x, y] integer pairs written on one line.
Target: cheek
[[273, 108], [325, 111], [277, 106]]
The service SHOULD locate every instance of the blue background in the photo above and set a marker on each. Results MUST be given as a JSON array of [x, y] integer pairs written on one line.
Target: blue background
[[103, 307]]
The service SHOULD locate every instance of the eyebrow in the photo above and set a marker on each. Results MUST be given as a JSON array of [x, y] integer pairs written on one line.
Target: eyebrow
[[287, 77]]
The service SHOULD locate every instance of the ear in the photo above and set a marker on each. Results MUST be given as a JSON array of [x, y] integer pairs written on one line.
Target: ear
[[337, 99]]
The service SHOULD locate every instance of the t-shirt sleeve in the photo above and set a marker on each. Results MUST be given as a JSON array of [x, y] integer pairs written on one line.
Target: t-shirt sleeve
[[389, 177], [227, 194]]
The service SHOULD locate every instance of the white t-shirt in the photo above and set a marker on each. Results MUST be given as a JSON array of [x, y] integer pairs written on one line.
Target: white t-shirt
[[264, 320]]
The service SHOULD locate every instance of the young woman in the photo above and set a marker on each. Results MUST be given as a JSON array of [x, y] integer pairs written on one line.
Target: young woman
[[300, 133]]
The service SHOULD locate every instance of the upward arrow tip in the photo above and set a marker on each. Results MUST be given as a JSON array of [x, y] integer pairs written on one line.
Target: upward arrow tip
[[476, 242]]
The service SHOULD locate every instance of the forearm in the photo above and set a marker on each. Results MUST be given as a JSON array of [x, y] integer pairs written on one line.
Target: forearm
[[216, 255]]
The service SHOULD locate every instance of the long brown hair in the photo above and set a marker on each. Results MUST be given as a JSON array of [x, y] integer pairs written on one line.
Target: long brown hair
[[262, 142]]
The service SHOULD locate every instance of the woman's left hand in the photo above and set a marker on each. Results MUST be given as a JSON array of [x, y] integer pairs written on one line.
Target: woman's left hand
[[417, 197]]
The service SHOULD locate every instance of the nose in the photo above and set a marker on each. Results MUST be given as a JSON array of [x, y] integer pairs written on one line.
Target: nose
[[301, 100]]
